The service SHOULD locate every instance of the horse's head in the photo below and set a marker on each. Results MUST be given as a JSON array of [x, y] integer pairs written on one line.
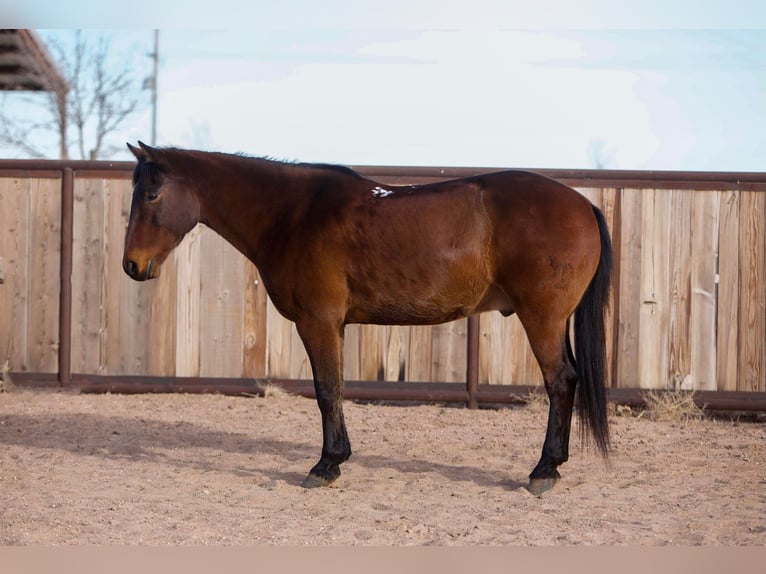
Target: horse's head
[[164, 208]]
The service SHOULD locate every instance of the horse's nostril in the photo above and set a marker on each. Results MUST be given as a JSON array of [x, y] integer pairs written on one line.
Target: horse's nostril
[[131, 268]]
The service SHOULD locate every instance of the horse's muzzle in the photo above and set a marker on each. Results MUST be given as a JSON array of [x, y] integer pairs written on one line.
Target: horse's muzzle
[[136, 273]]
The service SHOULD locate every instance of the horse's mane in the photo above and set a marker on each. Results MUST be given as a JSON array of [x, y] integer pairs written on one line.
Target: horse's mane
[[164, 157]]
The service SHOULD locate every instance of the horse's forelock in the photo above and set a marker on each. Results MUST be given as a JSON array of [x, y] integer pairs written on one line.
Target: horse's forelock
[[150, 166]]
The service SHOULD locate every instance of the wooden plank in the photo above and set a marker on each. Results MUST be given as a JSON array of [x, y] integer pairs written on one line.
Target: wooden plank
[[371, 352], [493, 350], [127, 308], [629, 289], [680, 245], [449, 351], [14, 249], [300, 365], [112, 288], [702, 319], [87, 284], [654, 296], [524, 367], [752, 296], [254, 325], [505, 356], [164, 308], [222, 307], [187, 339], [607, 202], [279, 341], [727, 346], [395, 353], [351, 360], [419, 355], [44, 256]]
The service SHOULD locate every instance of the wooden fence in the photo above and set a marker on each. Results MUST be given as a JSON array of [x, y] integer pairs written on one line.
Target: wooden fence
[[688, 312]]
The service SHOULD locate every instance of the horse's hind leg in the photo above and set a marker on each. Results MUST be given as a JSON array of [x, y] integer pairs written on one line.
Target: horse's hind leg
[[548, 340], [324, 345]]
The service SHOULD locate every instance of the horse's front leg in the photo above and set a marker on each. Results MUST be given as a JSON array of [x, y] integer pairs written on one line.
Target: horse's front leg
[[324, 345]]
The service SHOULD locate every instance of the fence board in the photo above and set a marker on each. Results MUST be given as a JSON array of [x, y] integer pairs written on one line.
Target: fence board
[[14, 249], [752, 296], [449, 351], [419, 354], [352, 365], [629, 289], [44, 256], [187, 339], [679, 351], [300, 366], [164, 308], [494, 363], [702, 319], [728, 292], [654, 314], [396, 353], [505, 356], [524, 367], [606, 200], [222, 280], [254, 325], [87, 276], [371, 352], [279, 342], [127, 304]]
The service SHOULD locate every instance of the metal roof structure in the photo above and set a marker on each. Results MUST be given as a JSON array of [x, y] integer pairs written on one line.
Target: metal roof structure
[[26, 65]]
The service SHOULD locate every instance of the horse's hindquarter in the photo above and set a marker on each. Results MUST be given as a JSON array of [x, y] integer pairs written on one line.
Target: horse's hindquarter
[[546, 240]]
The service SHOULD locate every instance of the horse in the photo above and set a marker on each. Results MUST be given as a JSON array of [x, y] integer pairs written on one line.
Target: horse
[[333, 248]]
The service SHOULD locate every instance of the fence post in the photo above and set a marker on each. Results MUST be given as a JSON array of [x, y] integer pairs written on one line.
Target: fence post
[[65, 290]]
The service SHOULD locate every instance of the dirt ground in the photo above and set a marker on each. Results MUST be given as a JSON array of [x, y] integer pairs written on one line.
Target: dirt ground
[[216, 470]]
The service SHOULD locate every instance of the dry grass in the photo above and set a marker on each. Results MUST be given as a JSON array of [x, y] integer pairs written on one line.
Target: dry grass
[[536, 402], [6, 384], [671, 406], [274, 392]]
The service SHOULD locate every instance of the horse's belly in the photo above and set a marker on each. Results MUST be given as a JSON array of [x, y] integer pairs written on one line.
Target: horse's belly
[[426, 306]]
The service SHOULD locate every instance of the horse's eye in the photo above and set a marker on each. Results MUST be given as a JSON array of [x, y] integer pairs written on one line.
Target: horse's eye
[[151, 196]]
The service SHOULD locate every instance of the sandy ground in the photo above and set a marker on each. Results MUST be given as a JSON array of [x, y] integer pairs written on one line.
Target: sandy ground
[[216, 470]]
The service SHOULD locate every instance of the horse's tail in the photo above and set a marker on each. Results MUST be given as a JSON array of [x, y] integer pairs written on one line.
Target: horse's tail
[[590, 345]]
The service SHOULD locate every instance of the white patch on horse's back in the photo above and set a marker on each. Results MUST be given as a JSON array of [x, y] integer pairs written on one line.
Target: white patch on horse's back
[[381, 192]]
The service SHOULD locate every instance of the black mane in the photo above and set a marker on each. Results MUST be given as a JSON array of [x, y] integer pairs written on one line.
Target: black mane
[[152, 163], [330, 167]]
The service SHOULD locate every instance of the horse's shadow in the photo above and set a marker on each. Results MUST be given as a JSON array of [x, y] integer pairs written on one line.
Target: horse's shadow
[[145, 439]]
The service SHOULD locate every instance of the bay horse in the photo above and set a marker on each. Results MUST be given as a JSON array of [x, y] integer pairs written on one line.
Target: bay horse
[[333, 247]]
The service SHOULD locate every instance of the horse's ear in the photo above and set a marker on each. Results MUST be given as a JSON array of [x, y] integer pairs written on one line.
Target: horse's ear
[[150, 152], [139, 153]]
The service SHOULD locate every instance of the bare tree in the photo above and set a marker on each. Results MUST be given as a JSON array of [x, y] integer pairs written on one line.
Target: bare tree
[[95, 102]]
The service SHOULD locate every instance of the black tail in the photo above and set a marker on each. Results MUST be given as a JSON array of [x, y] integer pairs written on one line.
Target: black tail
[[590, 345]]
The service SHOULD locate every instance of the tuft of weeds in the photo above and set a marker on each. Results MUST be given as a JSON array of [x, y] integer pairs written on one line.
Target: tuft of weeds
[[536, 402], [671, 406], [273, 392], [6, 383]]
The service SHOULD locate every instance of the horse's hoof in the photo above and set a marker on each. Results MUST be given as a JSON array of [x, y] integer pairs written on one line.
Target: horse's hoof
[[314, 481], [538, 486]]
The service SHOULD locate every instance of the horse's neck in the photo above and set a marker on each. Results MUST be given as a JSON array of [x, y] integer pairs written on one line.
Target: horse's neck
[[244, 197]]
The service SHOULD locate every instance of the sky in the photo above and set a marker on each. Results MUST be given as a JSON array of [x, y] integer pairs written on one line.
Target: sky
[[673, 85]]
